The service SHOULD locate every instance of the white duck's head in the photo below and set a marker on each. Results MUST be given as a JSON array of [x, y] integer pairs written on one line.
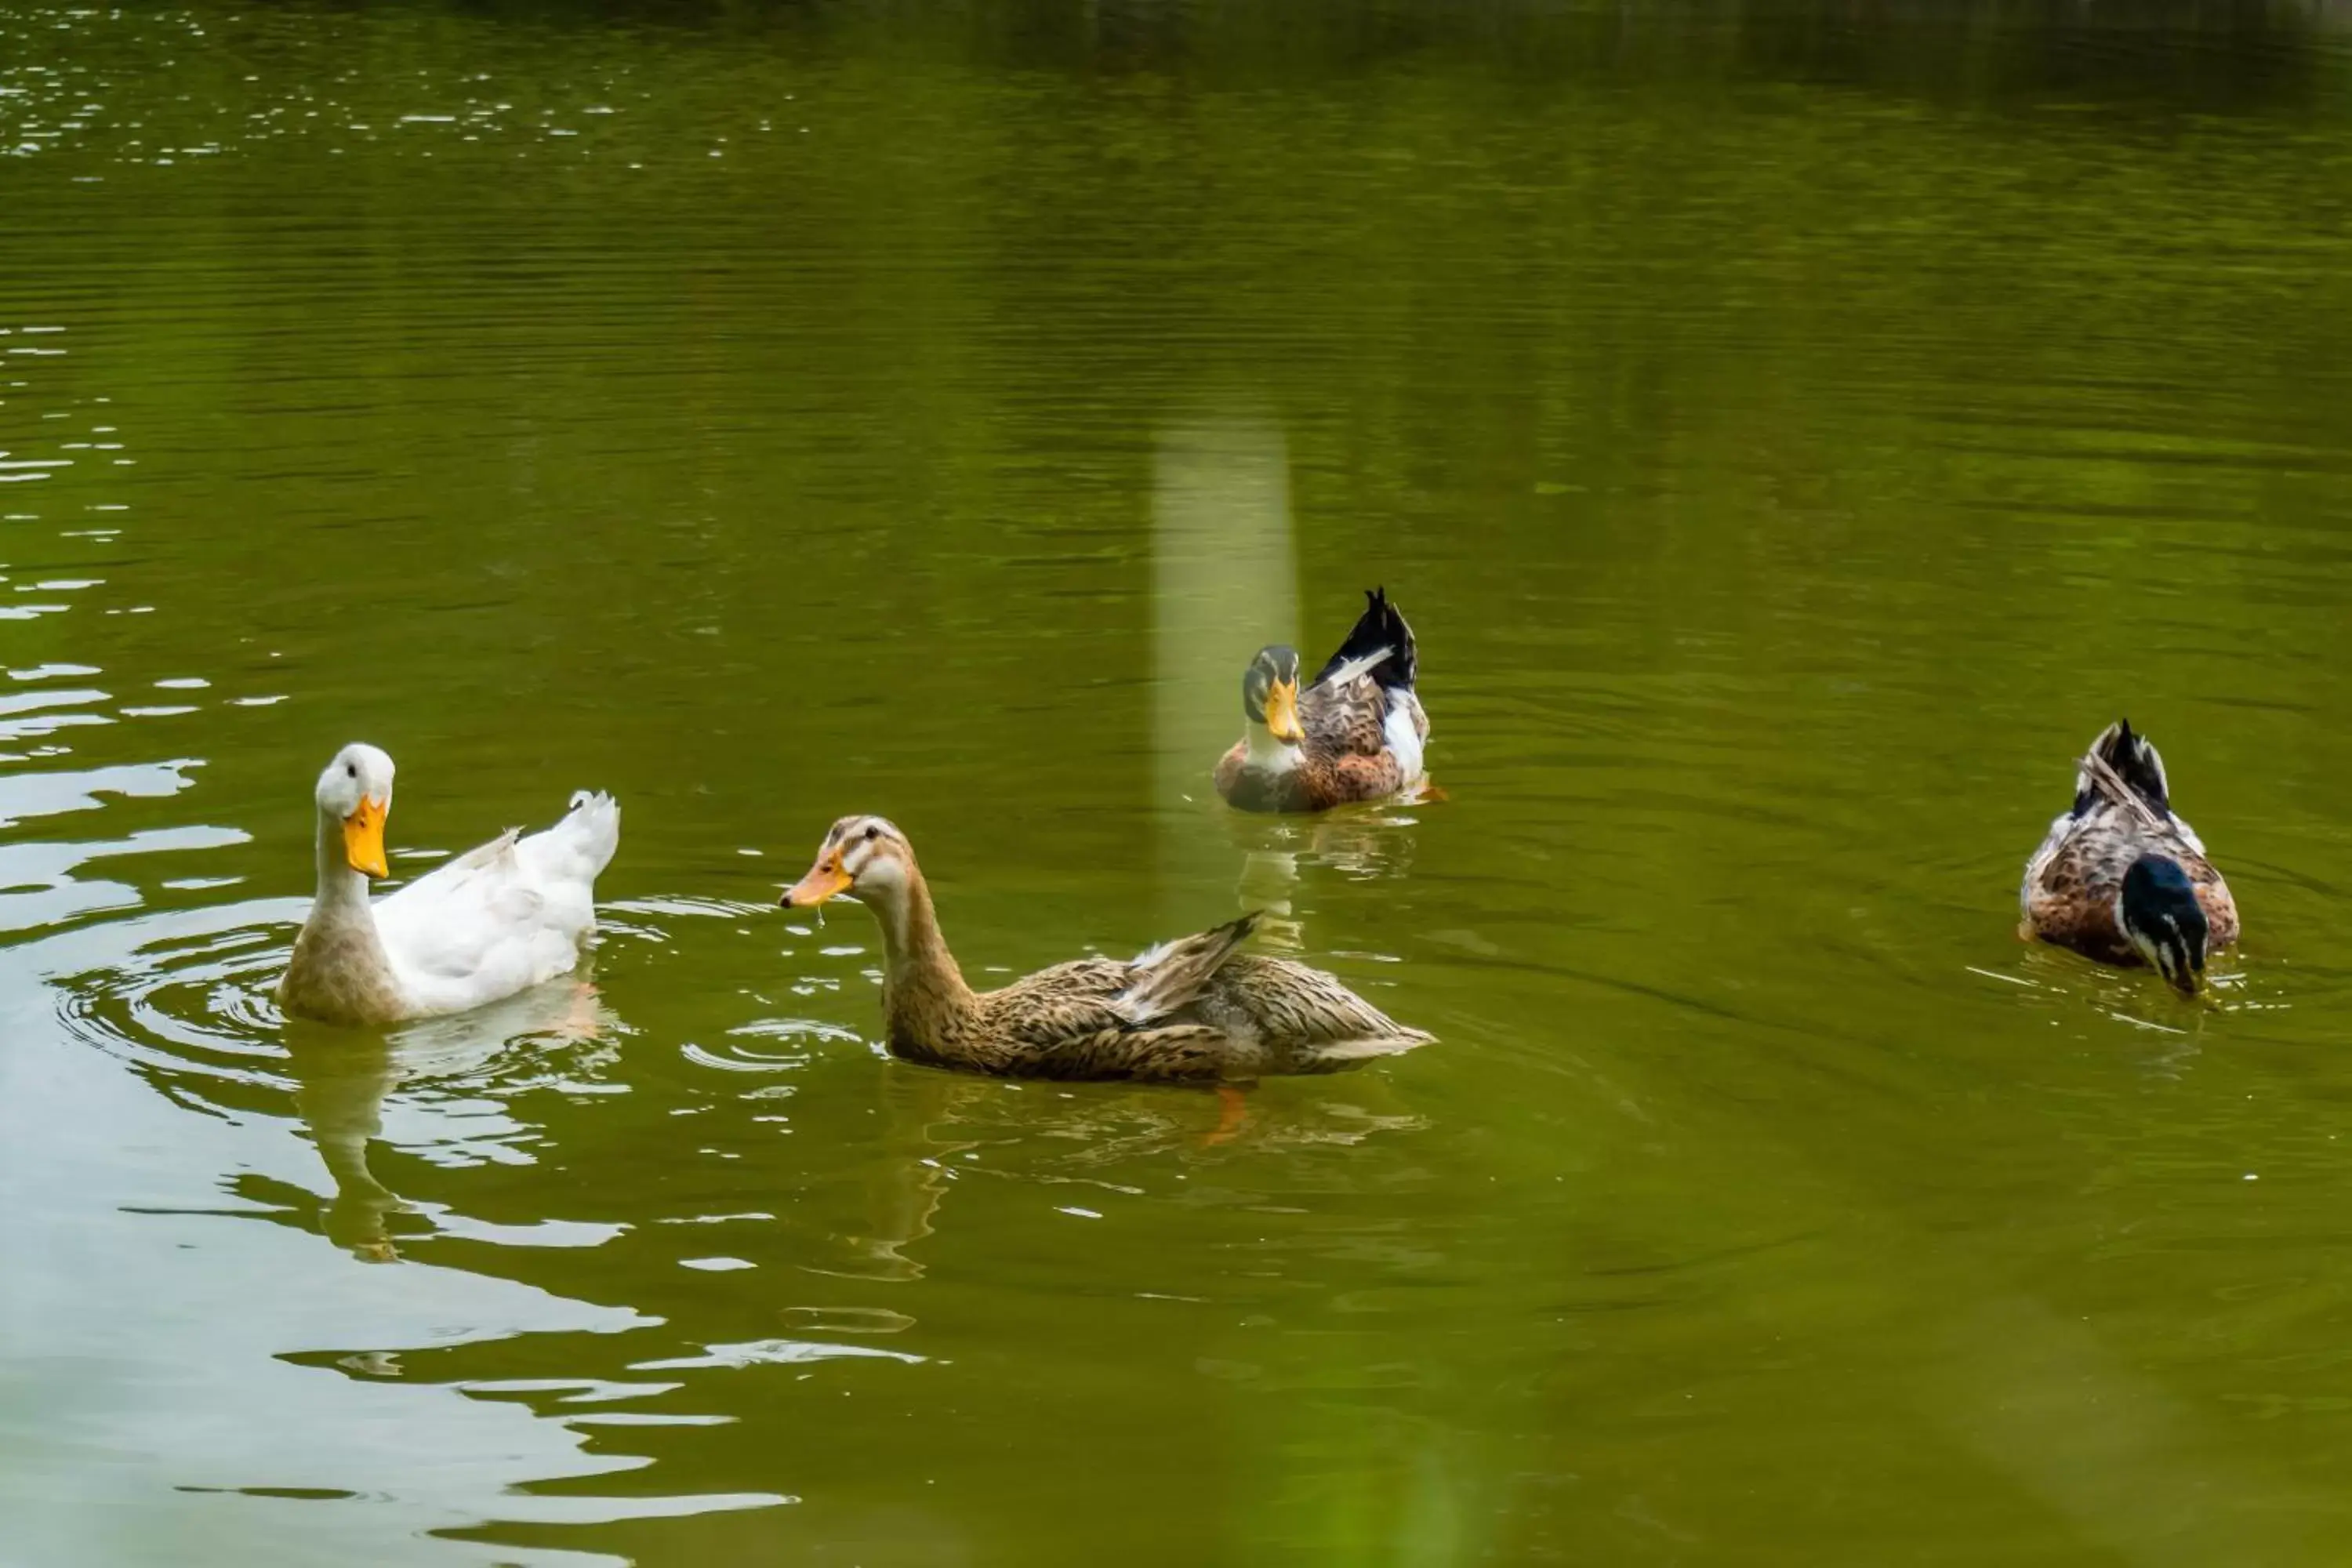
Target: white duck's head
[[356, 791]]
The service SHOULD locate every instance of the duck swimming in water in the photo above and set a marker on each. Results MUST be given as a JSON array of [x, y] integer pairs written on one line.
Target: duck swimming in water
[[2122, 879], [1192, 1010], [1356, 732], [484, 925]]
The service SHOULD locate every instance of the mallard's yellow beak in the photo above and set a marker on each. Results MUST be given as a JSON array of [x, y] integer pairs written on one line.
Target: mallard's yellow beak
[[1282, 713], [826, 878], [363, 837]]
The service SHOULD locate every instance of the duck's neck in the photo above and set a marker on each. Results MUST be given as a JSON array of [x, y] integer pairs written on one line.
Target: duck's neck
[[924, 998], [343, 892], [338, 970], [1267, 755]]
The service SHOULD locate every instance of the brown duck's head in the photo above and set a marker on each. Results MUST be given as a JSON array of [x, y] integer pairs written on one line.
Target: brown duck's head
[[859, 855], [1270, 693]]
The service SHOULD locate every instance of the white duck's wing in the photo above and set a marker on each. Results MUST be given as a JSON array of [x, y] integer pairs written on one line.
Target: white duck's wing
[[446, 921], [508, 914]]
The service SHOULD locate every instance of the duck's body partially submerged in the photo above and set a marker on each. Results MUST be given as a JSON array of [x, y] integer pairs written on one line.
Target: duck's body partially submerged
[[2122, 879], [484, 925], [1194, 1010], [1356, 732]]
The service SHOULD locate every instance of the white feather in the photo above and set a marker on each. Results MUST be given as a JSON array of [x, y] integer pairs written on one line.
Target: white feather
[[506, 915], [1268, 755], [1356, 666], [1402, 730]]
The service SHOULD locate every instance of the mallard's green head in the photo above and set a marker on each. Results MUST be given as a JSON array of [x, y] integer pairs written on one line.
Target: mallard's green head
[[2159, 912]]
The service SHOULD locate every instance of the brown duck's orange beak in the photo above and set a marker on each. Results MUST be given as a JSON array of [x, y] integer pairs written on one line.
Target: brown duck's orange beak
[[1282, 713], [363, 838], [826, 878]]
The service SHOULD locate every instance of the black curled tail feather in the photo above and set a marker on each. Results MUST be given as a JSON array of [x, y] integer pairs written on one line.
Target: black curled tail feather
[[1236, 932], [1381, 625], [2136, 762]]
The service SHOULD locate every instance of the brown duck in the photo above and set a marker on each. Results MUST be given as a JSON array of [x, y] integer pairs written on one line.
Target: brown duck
[[1356, 732], [1193, 1010], [2119, 878]]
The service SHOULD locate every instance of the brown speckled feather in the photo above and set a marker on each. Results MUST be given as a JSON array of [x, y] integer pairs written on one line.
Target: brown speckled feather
[[1346, 718], [1322, 779], [1241, 1018]]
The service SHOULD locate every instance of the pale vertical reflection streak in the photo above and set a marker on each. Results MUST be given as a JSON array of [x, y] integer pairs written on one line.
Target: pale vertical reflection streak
[[2044, 1398], [1225, 583]]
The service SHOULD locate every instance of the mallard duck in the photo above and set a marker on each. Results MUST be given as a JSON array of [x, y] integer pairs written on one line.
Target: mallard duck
[[1356, 732], [482, 926], [1190, 1010], [2122, 879]]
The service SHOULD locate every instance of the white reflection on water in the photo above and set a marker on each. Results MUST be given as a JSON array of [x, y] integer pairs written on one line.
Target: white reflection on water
[[1224, 584]]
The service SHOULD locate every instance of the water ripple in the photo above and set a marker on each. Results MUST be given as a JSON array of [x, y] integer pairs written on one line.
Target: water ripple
[[775, 1052], [185, 993]]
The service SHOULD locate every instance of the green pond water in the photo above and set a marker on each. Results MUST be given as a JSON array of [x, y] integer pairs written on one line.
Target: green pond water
[[1794, 433]]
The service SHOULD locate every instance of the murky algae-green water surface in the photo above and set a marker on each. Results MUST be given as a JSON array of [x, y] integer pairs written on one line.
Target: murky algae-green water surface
[[1794, 431]]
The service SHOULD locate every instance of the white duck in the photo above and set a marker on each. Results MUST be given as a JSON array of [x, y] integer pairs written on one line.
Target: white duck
[[484, 925]]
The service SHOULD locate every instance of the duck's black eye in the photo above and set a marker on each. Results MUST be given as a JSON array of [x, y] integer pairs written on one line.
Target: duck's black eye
[[351, 769], [872, 833]]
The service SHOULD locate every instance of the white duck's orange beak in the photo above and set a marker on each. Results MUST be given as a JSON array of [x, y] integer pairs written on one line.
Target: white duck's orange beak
[[363, 837]]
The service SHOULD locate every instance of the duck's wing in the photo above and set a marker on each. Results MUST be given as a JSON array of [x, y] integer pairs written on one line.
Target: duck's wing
[[445, 906], [505, 915], [1066, 1024], [1170, 976], [1345, 718], [1091, 995], [1362, 743], [1106, 1018], [1299, 1004], [1194, 1010], [1350, 706], [2069, 895]]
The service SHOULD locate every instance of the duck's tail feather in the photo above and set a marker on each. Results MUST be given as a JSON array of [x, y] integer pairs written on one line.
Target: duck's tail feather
[[2129, 762], [1338, 1056], [582, 844], [1382, 644]]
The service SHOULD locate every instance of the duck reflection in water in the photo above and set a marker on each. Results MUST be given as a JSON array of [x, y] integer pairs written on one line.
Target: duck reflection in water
[[343, 1076], [1362, 844], [944, 1129]]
